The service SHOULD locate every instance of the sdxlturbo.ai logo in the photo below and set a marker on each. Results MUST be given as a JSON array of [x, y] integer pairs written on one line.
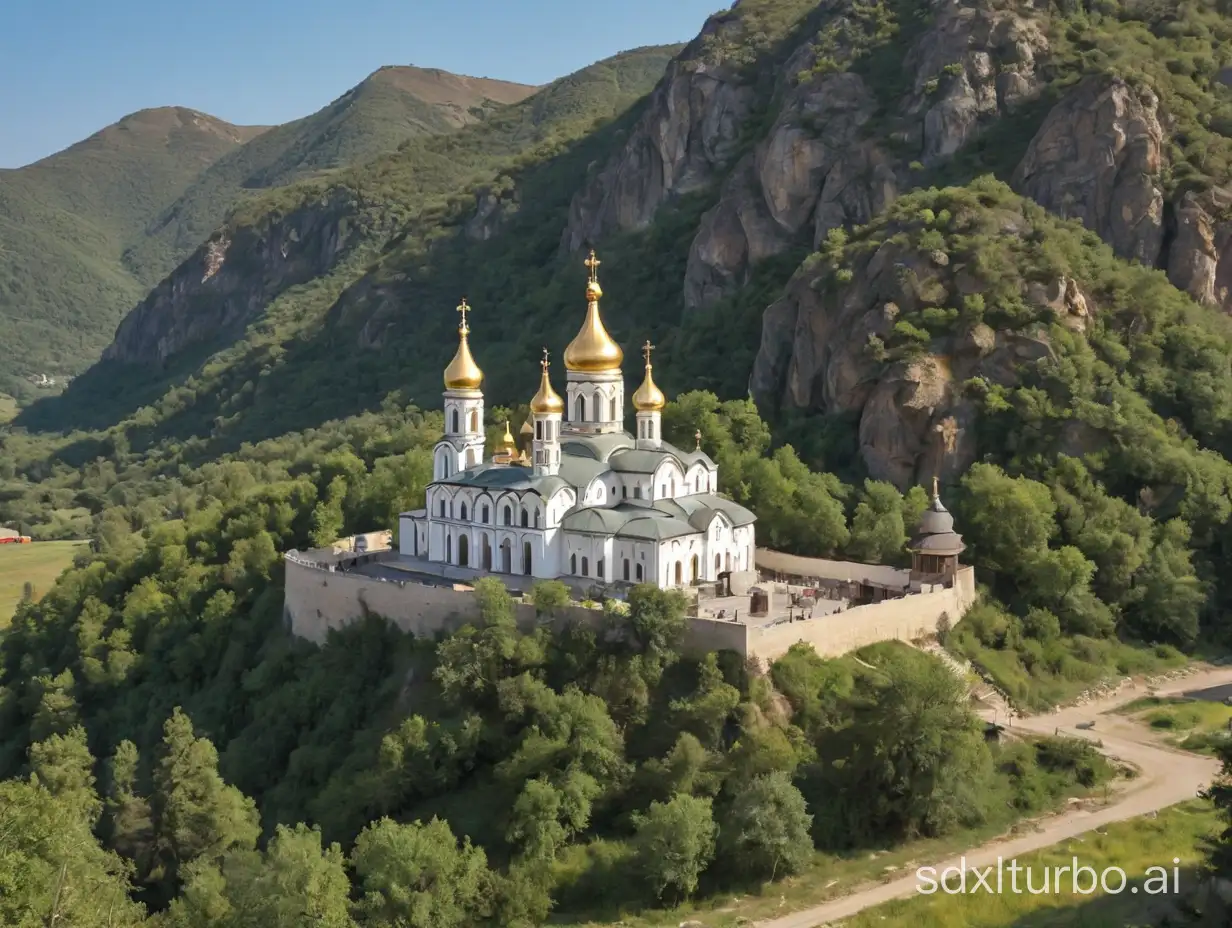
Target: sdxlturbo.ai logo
[[1013, 877]]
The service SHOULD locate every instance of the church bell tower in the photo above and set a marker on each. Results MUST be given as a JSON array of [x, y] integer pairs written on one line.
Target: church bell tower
[[462, 446]]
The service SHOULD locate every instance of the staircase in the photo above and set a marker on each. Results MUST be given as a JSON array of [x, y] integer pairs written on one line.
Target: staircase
[[979, 686]]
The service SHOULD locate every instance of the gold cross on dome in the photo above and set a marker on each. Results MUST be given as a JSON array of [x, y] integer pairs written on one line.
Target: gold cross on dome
[[646, 349], [463, 308], [592, 264], [936, 491], [546, 362], [698, 438]]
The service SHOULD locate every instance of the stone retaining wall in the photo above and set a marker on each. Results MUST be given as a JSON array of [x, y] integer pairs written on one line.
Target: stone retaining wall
[[319, 598]]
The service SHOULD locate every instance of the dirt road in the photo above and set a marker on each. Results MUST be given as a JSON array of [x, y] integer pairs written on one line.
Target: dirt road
[[1167, 776]]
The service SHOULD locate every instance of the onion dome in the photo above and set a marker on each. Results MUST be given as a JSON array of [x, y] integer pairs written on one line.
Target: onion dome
[[527, 428], [592, 350], [547, 400], [463, 373], [935, 533], [507, 447], [648, 397]]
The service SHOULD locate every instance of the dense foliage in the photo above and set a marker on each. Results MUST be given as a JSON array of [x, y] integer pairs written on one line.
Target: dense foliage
[[483, 777]]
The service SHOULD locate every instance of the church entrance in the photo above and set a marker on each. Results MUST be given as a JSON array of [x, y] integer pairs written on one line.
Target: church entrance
[[679, 574], [526, 558], [464, 551], [506, 556], [693, 569], [486, 553]]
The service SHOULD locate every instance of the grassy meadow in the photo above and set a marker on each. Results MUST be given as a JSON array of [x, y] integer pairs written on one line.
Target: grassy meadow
[[1192, 724], [38, 564], [8, 408], [1134, 846]]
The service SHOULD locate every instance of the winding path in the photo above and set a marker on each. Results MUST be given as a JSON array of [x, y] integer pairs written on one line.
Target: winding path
[[1167, 776]]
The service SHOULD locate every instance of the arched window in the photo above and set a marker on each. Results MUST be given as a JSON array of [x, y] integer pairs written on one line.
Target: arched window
[[679, 573], [487, 514], [474, 420], [464, 512], [442, 509], [448, 548], [539, 430], [464, 559], [612, 407], [508, 515], [525, 517], [624, 492], [599, 570], [693, 568], [526, 558], [536, 518], [717, 562], [626, 571], [585, 567], [673, 488], [581, 409], [455, 428], [573, 564], [639, 573]]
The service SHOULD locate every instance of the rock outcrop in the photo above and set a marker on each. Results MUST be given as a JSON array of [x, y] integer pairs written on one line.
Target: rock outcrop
[[824, 348], [686, 137], [229, 281], [1097, 158], [820, 166]]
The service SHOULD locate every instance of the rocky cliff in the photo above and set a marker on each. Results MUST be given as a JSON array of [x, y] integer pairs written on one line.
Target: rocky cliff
[[841, 134], [230, 279]]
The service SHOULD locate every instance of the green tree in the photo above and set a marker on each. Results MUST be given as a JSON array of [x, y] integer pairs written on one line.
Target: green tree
[[130, 821], [766, 829], [327, 518], [419, 876], [64, 765], [878, 527], [196, 814], [674, 843], [706, 711], [52, 869], [912, 761]]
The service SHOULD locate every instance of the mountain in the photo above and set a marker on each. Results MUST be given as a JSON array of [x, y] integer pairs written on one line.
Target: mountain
[[64, 222], [284, 256], [392, 105], [783, 121], [86, 232]]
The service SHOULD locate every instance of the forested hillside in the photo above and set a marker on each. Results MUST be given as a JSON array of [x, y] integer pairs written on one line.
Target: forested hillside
[[875, 241], [86, 232]]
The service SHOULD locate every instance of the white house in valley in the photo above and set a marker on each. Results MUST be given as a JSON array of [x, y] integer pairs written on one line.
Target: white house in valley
[[590, 502]]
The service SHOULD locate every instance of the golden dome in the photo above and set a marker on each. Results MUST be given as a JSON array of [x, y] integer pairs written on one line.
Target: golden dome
[[648, 397], [507, 444], [463, 373], [546, 400], [592, 351], [526, 428]]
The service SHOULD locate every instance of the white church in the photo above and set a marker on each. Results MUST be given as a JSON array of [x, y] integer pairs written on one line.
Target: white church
[[591, 503]]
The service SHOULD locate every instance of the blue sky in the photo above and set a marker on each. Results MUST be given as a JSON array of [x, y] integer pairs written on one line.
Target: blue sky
[[70, 67]]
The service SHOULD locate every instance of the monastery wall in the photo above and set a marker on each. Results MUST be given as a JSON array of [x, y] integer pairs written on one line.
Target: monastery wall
[[907, 619], [319, 599]]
